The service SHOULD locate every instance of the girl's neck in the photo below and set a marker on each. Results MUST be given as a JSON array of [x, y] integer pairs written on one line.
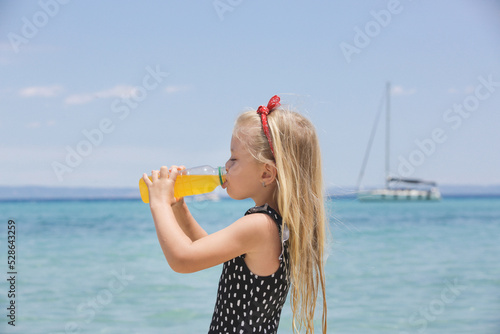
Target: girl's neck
[[267, 196]]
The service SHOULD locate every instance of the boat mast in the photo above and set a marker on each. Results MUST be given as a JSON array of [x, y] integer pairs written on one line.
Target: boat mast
[[387, 132], [370, 142]]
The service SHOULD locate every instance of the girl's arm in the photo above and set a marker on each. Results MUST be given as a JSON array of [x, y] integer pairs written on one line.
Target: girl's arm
[[187, 222], [245, 236]]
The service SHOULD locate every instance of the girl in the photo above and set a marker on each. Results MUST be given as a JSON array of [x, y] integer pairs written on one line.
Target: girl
[[278, 244]]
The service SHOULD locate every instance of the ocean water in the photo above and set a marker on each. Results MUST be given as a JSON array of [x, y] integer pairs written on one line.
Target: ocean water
[[97, 267]]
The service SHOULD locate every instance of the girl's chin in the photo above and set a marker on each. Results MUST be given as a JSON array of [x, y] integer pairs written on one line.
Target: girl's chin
[[233, 195]]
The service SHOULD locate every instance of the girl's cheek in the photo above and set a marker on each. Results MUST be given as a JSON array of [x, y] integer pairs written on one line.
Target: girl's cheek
[[230, 166], [234, 169]]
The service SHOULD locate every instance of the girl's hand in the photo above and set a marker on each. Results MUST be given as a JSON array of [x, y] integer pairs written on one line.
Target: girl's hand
[[161, 187], [179, 201]]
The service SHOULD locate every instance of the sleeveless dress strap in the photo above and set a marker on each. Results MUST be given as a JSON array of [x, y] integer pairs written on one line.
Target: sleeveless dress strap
[[266, 209]]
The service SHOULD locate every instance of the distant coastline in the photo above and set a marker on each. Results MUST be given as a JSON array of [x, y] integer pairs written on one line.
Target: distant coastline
[[42, 193]]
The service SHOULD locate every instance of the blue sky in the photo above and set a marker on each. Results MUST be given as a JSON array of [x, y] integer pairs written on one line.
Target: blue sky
[[96, 93]]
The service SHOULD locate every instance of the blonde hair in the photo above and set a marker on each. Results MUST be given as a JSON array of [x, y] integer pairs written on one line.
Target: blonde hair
[[300, 199]]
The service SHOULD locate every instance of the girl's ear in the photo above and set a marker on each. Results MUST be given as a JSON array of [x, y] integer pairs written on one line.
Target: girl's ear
[[269, 174]]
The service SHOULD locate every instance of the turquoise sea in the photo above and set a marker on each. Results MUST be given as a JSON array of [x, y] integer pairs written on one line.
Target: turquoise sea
[[96, 267]]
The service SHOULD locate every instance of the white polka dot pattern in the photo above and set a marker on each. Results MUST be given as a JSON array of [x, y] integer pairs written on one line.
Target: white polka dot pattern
[[247, 303]]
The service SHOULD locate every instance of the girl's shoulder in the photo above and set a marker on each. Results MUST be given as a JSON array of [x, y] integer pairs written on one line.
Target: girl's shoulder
[[256, 221], [265, 209], [259, 222]]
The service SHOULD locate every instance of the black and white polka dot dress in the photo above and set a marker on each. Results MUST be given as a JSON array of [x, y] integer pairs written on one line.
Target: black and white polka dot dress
[[247, 303]]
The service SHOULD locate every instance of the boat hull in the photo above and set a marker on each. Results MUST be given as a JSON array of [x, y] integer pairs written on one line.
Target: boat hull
[[393, 195]]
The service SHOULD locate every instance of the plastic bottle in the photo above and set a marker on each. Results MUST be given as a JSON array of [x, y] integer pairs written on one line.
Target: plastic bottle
[[192, 181]]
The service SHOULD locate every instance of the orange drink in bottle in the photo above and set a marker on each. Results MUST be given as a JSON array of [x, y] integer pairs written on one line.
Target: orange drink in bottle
[[191, 181]]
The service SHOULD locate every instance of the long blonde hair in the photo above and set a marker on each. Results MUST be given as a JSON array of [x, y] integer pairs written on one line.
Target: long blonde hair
[[300, 198]]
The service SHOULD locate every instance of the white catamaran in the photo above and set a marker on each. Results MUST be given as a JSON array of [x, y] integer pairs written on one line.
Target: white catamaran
[[396, 188]]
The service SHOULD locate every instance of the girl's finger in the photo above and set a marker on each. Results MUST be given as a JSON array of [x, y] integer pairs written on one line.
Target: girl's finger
[[146, 179], [164, 172], [155, 175], [174, 170]]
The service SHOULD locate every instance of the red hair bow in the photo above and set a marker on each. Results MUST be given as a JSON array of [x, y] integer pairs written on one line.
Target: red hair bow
[[274, 102]]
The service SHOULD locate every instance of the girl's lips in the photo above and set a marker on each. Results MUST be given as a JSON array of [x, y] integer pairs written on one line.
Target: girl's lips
[[224, 185]]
